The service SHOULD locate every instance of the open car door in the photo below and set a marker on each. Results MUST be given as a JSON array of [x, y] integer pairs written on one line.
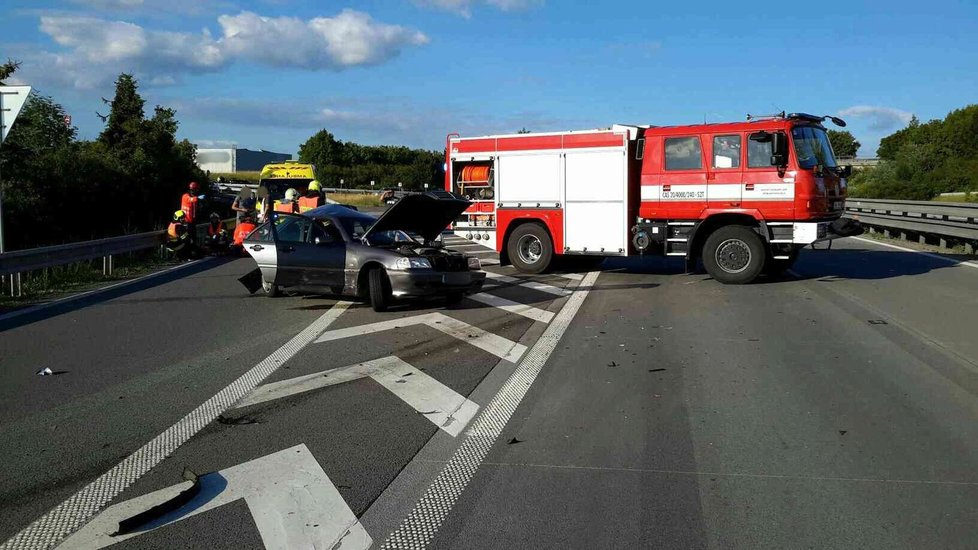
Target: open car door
[[260, 244]]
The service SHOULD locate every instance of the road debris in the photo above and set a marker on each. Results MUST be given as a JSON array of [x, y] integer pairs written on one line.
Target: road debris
[[46, 371], [139, 520]]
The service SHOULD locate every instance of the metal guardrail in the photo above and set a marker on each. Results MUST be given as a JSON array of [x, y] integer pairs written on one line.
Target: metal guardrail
[[236, 187], [943, 220], [13, 264], [21, 261]]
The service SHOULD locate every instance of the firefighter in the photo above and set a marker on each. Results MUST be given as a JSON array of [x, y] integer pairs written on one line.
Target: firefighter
[[189, 203], [177, 237], [313, 198], [242, 230], [290, 204], [217, 235]]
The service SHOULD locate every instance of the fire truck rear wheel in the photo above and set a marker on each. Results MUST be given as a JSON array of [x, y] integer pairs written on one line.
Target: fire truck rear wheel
[[734, 255], [530, 248]]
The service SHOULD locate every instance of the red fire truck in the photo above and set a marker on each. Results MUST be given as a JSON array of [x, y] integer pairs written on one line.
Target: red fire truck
[[742, 197]]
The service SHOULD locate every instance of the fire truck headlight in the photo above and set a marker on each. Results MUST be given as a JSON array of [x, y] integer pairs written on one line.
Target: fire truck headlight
[[474, 263]]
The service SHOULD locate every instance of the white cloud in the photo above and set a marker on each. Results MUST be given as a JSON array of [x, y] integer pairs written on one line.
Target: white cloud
[[382, 120], [464, 7], [878, 118], [98, 49], [110, 4], [348, 39]]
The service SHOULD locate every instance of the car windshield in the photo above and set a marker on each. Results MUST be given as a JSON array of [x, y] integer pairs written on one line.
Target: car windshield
[[812, 147], [356, 227]]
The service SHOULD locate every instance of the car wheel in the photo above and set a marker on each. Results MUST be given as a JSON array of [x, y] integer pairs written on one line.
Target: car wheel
[[734, 255], [530, 248], [380, 290], [453, 298], [271, 290]]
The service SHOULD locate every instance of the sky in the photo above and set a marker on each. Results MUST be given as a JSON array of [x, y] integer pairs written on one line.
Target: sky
[[268, 74]]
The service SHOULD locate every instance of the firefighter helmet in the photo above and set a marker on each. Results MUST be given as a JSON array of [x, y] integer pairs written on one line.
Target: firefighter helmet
[[291, 194], [314, 186], [179, 215], [194, 186]]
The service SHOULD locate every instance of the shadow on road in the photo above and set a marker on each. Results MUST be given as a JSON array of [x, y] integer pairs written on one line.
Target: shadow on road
[[865, 264], [41, 312]]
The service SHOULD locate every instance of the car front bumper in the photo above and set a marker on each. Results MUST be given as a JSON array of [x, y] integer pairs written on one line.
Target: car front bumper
[[412, 283]]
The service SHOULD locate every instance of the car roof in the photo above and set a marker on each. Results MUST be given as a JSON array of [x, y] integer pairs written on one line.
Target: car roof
[[338, 211]]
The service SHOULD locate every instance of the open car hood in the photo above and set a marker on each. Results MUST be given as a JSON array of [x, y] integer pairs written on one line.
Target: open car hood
[[425, 214]]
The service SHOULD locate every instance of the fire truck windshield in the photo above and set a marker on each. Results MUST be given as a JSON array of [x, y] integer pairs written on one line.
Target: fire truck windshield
[[812, 147]]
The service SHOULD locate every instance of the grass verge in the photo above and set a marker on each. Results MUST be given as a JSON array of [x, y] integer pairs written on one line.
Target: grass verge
[[356, 199]]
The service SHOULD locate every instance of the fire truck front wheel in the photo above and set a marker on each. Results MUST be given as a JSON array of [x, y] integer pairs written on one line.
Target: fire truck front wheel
[[734, 254], [530, 248]]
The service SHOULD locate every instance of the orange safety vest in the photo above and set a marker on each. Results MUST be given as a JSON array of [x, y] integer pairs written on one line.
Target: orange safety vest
[[241, 231], [211, 230], [286, 207], [188, 203], [308, 203]]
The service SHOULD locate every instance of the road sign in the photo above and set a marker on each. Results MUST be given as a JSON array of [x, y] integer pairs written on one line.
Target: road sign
[[12, 98], [292, 500]]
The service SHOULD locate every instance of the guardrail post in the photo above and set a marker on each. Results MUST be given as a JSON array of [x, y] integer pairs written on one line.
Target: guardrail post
[[943, 242], [922, 239], [105, 265], [20, 287]]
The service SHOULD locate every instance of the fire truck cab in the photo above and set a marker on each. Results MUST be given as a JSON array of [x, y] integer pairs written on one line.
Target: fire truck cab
[[742, 197]]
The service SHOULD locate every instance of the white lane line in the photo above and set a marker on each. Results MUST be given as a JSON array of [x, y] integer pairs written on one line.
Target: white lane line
[[928, 254], [74, 512], [494, 344], [291, 499], [528, 283], [489, 261], [435, 401], [421, 525], [525, 310], [571, 276]]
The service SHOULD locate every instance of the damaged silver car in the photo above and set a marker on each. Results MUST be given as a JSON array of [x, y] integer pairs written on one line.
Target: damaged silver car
[[342, 251]]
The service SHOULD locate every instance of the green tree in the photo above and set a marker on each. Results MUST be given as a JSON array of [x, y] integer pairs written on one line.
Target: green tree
[[8, 69], [843, 143], [321, 149], [125, 113]]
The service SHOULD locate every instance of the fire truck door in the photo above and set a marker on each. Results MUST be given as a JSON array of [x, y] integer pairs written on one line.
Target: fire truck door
[[595, 207], [726, 174], [683, 193]]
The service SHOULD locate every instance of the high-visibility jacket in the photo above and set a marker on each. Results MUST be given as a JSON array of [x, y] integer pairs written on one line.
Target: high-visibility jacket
[[286, 207], [241, 231], [174, 231], [188, 203], [308, 203]]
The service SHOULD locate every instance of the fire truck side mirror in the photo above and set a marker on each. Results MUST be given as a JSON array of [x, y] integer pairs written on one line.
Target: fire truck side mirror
[[779, 149]]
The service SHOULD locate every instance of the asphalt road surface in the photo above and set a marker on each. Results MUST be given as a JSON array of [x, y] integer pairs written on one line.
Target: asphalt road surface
[[634, 406]]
